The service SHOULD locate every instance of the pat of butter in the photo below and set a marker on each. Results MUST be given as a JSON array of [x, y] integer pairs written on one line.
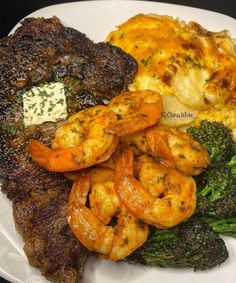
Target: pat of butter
[[44, 104]]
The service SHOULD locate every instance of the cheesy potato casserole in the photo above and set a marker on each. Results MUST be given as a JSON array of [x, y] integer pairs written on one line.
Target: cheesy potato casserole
[[192, 68]]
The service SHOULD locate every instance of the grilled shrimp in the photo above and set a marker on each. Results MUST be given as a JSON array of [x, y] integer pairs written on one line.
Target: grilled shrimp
[[179, 149], [170, 203], [135, 111], [137, 141], [104, 202], [111, 162], [97, 175], [174, 148], [80, 142], [89, 225]]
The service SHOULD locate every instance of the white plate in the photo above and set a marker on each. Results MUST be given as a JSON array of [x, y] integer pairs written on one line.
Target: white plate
[[97, 19]]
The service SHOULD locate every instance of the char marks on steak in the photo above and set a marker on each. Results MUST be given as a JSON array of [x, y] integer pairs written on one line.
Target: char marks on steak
[[40, 51]]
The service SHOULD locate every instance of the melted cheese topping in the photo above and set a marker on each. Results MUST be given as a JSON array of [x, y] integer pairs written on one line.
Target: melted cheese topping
[[219, 113], [181, 60], [44, 104]]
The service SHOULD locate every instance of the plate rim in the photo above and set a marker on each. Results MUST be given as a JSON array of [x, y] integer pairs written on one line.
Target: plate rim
[[114, 1], [4, 274]]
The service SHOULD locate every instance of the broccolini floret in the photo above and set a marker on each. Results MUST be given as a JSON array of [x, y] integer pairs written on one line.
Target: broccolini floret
[[217, 185], [216, 194], [190, 244], [216, 138]]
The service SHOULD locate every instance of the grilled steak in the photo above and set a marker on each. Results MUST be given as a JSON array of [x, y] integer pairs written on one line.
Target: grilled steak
[[41, 51]]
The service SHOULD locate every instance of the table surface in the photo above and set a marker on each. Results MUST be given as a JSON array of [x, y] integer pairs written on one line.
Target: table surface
[[12, 13]]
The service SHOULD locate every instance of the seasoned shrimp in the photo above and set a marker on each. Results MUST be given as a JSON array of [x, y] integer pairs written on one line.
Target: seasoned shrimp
[[135, 111], [173, 147], [137, 141], [112, 242], [111, 162], [104, 202], [79, 143], [145, 169], [96, 174], [170, 203], [178, 149]]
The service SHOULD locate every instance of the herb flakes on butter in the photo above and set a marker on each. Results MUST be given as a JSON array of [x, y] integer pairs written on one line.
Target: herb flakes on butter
[[44, 104]]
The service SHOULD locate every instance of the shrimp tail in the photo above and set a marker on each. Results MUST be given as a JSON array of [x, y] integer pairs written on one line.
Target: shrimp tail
[[59, 160], [95, 236], [125, 163], [39, 152], [159, 148], [127, 187], [80, 188]]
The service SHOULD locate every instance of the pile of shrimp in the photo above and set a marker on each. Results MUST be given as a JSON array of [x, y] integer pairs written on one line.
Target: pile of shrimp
[[128, 172]]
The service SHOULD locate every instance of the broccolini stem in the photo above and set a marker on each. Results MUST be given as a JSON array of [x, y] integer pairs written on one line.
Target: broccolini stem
[[205, 192], [233, 170], [226, 226], [214, 152], [213, 195], [232, 164]]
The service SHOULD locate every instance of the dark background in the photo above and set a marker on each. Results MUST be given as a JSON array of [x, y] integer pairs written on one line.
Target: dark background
[[11, 11]]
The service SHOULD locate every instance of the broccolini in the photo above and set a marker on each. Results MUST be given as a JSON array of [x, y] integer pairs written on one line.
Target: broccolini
[[217, 191], [216, 138], [190, 244], [217, 185], [232, 164], [225, 226]]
